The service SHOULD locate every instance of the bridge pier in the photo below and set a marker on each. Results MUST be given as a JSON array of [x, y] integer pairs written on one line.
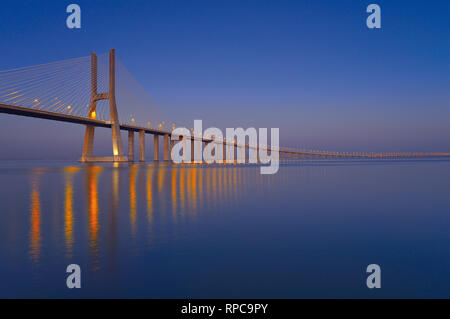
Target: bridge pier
[[240, 158], [183, 140], [166, 147], [88, 147], [155, 147], [130, 146], [198, 151], [209, 157], [87, 155], [224, 152], [142, 146], [192, 150], [171, 142]]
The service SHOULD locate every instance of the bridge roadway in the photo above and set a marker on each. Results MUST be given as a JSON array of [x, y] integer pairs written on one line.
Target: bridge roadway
[[284, 153], [23, 111]]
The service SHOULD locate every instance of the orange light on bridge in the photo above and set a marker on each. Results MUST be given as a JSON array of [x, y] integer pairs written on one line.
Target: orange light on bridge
[[93, 115]]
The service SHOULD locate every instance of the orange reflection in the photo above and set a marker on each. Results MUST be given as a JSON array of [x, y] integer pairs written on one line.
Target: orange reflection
[[230, 182], [188, 189], [161, 172], [235, 184], [174, 192], [112, 233], [194, 189], [214, 186], [92, 173], [208, 186], [133, 170], [35, 229], [200, 185], [182, 189], [220, 184], [149, 195], [68, 206]]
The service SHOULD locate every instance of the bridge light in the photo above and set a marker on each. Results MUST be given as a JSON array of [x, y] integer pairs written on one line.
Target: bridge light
[[36, 100], [132, 120], [69, 107], [93, 114]]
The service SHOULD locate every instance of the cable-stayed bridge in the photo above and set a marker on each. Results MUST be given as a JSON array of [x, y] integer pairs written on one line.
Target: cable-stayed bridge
[[84, 91]]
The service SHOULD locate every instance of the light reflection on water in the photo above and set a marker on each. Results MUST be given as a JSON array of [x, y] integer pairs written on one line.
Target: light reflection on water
[[157, 230], [35, 229], [185, 184]]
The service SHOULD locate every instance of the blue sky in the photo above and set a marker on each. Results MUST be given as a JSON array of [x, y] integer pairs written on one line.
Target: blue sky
[[312, 68]]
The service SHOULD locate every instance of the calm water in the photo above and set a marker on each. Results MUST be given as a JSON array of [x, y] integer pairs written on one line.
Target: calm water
[[225, 231]]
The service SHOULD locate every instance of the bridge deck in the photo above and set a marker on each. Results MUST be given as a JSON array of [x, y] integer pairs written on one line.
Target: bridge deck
[[23, 111]]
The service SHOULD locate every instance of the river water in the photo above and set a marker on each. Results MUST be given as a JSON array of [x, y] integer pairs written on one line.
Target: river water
[[225, 231]]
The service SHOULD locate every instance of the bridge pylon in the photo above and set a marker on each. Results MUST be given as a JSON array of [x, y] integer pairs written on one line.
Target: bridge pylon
[[88, 148]]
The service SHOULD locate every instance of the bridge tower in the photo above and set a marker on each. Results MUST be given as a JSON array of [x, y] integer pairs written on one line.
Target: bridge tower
[[88, 148]]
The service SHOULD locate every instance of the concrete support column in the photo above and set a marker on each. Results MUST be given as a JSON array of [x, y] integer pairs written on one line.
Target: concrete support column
[[130, 146], [88, 148], [142, 146], [183, 141], [258, 158], [156, 148], [224, 152], [192, 150], [206, 158], [171, 147], [166, 147], [199, 150], [242, 156]]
